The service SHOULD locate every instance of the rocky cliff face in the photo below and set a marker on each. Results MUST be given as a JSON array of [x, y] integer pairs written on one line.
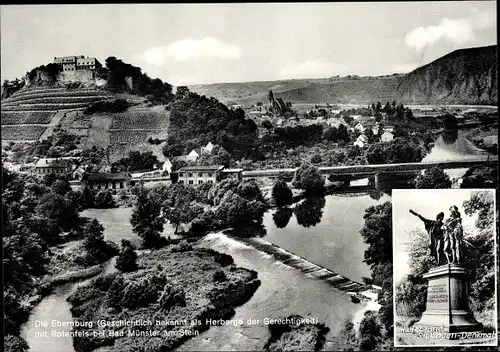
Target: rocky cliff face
[[465, 76]]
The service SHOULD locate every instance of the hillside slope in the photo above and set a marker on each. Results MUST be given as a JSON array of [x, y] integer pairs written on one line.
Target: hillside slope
[[350, 89], [465, 76], [34, 113]]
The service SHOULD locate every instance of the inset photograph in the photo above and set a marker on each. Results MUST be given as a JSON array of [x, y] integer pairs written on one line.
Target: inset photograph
[[445, 273]]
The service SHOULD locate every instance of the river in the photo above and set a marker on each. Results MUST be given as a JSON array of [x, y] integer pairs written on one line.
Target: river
[[452, 149], [284, 291], [329, 236]]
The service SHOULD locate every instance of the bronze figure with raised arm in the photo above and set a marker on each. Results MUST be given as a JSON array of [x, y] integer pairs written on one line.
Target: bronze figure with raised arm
[[435, 229]]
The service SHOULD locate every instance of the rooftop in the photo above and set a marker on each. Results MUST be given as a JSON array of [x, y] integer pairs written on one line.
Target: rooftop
[[232, 170], [52, 162], [106, 176], [202, 168]]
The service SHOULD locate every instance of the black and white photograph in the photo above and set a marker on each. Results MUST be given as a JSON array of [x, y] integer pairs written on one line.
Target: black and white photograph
[[220, 176], [445, 272]]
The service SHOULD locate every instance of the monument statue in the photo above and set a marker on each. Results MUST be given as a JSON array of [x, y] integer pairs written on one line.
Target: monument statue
[[454, 235], [447, 303], [435, 229]]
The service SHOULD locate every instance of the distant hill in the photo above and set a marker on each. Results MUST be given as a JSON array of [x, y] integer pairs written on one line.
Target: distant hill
[[466, 76]]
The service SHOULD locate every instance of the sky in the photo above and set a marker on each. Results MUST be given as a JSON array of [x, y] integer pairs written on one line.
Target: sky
[[428, 203], [210, 43]]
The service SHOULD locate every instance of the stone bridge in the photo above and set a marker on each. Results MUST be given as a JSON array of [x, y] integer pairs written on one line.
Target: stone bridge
[[352, 172]]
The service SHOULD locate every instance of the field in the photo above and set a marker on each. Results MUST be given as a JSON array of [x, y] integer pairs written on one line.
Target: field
[[147, 120], [35, 117], [128, 131], [22, 133], [52, 99]]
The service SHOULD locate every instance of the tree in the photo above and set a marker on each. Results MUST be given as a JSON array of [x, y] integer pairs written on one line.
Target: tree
[[87, 198], [480, 177], [49, 179], [94, 235], [137, 160], [56, 208], [377, 233], [404, 150], [308, 178], [61, 187], [316, 159], [181, 206], [376, 154], [15, 344], [370, 332], [146, 220], [331, 134], [104, 199], [223, 157], [181, 92], [480, 253], [282, 194], [267, 124], [127, 260], [94, 242], [433, 178], [75, 199], [342, 134]]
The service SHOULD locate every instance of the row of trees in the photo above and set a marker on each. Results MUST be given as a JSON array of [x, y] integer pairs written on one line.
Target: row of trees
[[229, 203], [136, 160], [399, 150], [34, 215], [10, 87]]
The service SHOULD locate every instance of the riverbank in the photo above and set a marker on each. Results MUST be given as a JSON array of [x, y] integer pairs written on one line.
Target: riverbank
[[173, 306], [295, 333], [485, 138]]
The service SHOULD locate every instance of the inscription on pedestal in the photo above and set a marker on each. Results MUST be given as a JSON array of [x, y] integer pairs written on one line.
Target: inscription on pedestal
[[437, 294]]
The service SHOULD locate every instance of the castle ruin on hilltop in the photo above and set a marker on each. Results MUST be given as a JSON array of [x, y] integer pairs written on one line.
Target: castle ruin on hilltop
[[77, 63], [71, 68], [77, 68]]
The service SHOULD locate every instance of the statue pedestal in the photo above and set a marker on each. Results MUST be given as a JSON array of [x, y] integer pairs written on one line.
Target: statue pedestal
[[448, 301]]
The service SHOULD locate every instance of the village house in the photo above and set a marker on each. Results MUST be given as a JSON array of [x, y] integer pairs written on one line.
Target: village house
[[55, 166], [387, 137], [77, 173], [361, 141], [389, 128], [167, 166], [194, 154], [359, 127], [236, 174], [207, 149], [147, 173], [107, 180], [194, 175]]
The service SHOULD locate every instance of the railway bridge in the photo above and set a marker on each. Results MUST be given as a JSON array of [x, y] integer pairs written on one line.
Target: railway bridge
[[374, 171]]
